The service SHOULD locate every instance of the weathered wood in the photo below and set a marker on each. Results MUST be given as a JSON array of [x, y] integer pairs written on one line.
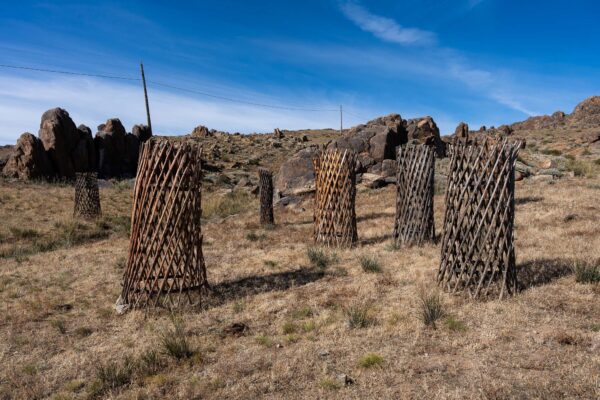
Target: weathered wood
[[165, 253], [87, 196], [334, 212], [266, 197], [477, 247], [414, 222]]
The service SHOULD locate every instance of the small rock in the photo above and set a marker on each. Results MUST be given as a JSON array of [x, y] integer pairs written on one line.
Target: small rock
[[236, 329], [324, 353], [345, 379]]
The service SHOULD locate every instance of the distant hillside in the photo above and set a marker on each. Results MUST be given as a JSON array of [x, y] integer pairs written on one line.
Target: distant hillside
[[585, 115]]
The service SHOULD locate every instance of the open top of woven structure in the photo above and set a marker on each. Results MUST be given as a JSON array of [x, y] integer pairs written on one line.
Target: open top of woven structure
[[166, 264], [477, 247]]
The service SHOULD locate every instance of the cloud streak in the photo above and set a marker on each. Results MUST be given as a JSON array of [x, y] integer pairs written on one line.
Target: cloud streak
[[386, 28]]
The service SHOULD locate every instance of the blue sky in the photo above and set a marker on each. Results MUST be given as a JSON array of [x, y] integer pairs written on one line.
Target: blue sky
[[480, 61]]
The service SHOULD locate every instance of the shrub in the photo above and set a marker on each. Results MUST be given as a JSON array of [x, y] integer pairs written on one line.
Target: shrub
[[150, 363], [318, 258], [289, 327], [370, 360], [431, 308], [359, 316], [370, 264], [174, 341], [587, 273]]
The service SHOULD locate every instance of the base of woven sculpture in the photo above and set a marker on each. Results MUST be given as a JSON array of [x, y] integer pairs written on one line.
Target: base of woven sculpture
[[335, 181], [414, 224], [478, 254], [87, 196], [166, 264]]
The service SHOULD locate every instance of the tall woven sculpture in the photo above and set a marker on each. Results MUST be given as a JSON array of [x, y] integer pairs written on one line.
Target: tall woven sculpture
[[477, 248], [414, 195], [266, 197], [335, 180], [87, 195], [166, 265]]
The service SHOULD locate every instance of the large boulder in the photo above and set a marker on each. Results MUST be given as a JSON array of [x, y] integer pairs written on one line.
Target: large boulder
[[424, 130], [84, 155], [111, 149], [201, 131], [297, 175], [28, 159], [60, 138], [462, 131], [374, 141]]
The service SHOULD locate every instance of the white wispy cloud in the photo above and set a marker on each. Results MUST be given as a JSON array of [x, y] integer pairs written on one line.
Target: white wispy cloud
[[92, 101], [385, 28]]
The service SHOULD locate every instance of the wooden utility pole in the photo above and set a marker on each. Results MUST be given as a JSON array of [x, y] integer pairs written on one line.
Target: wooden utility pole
[[146, 97], [341, 120]]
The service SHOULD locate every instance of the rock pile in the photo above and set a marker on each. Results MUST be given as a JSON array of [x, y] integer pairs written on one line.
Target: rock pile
[[61, 149]]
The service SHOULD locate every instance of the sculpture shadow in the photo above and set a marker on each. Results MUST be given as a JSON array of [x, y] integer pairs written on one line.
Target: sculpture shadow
[[376, 239], [542, 271], [375, 215], [227, 291], [528, 199]]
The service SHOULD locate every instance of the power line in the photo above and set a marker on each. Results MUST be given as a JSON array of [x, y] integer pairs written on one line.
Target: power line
[[356, 115], [55, 71], [165, 85], [240, 101]]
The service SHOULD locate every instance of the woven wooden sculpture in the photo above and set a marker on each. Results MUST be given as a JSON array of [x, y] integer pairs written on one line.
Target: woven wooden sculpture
[[414, 195], [87, 196], [266, 197], [165, 254], [335, 180], [477, 248]]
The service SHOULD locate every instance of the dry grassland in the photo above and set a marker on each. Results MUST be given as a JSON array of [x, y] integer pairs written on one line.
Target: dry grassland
[[354, 312]]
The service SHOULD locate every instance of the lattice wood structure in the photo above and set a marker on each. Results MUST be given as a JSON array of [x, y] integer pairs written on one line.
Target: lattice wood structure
[[414, 195], [87, 196], [266, 197], [334, 214], [166, 265], [477, 248]]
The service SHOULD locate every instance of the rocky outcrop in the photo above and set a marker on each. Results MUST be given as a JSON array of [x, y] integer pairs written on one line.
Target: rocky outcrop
[[201, 131], [586, 113], [277, 133], [374, 143], [462, 131], [63, 149], [297, 175], [28, 160]]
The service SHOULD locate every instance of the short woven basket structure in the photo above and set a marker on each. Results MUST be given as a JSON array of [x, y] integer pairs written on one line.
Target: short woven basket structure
[[414, 224], [266, 197], [334, 214], [166, 265], [87, 196], [478, 252]]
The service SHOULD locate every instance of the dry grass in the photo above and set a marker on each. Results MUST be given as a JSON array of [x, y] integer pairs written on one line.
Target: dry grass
[[60, 338]]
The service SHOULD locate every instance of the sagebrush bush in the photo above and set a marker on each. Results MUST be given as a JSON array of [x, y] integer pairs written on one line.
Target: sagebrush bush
[[318, 258], [359, 316], [587, 273]]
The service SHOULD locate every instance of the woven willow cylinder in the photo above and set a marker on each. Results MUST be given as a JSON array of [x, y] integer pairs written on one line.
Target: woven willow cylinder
[[266, 197], [478, 252], [334, 214], [166, 265], [414, 223], [87, 196]]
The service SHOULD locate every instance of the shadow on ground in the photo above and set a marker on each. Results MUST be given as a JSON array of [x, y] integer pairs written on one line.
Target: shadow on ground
[[375, 215], [227, 291], [542, 271], [529, 199]]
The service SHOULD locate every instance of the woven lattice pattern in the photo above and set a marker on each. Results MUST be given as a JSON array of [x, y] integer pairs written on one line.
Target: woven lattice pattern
[[87, 196], [335, 180], [166, 265], [266, 197], [414, 195], [477, 248]]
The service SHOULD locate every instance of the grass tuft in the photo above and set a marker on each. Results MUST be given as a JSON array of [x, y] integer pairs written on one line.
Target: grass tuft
[[370, 264], [370, 360], [587, 273], [359, 316], [174, 341], [455, 325], [330, 384], [431, 308], [318, 258]]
